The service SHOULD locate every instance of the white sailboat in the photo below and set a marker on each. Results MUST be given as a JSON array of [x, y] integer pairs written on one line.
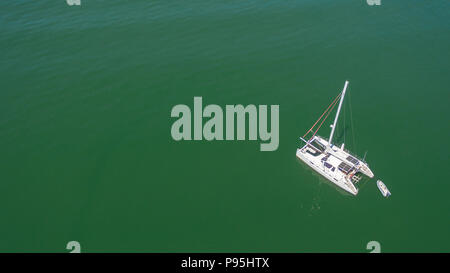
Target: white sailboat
[[334, 163]]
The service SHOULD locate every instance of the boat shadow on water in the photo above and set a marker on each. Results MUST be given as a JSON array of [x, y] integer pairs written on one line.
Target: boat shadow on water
[[322, 180]]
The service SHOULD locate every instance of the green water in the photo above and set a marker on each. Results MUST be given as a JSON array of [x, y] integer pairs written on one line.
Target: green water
[[86, 150]]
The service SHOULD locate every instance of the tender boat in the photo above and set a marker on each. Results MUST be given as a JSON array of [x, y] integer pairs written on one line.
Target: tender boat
[[383, 189], [334, 163]]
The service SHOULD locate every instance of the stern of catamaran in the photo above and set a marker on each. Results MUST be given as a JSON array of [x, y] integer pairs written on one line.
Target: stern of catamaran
[[364, 169]]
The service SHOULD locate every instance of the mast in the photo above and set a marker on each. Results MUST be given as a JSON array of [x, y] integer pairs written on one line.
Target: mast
[[337, 114]]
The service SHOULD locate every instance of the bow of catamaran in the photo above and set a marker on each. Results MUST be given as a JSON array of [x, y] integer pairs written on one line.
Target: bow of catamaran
[[333, 162]]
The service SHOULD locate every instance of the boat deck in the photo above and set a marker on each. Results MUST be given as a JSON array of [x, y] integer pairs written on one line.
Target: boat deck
[[334, 163], [346, 157]]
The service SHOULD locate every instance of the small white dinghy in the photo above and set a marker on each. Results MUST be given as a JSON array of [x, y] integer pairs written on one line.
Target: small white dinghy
[[383, 189]]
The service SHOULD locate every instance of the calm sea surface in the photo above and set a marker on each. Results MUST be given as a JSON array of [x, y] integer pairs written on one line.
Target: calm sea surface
[[86, 152]]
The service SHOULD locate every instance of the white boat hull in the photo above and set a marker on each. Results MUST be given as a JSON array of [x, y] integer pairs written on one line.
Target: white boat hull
[[339, 181], [335, 164], [383, 189]]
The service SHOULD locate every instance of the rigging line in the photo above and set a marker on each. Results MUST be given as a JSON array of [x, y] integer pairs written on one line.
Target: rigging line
[[334, 102], [324, 120], [344, 120], [351, 121]]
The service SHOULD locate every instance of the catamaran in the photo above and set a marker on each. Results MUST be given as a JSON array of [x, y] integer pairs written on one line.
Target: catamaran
[[333, 162]]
